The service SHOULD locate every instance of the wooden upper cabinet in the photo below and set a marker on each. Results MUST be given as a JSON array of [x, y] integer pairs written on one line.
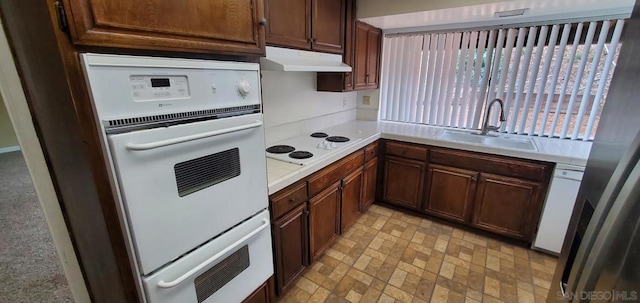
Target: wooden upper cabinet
[[373, 57], [360, 57], [328, 26], [507, 206], [351, 199], [288, 23], [230, 27], [451, 192], [306, 24], [366, 65]]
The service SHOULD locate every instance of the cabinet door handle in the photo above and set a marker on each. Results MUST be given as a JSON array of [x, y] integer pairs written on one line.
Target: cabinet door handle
[[263, 22], [292, 200]]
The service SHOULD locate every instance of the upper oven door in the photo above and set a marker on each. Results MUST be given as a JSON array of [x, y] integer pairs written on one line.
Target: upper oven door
[[185, 184]]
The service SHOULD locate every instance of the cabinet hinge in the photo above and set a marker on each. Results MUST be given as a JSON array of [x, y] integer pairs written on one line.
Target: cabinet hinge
[[62, 17]]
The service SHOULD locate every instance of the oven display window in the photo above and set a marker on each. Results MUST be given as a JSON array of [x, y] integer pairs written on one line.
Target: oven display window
[[154, 88], [160, 82]]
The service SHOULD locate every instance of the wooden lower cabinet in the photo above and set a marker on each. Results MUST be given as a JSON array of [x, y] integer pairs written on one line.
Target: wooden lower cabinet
[[403, 182], [450, 192], [507, 206], [351, 198], [324, 220], [291, 242], [264, 294], [370, 177], [503, 195]]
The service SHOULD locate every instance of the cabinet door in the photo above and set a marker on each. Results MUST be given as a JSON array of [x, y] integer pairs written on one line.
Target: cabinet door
[[360, 55], [369, 188], [288, 23], [227, 27], [348, 42], [351, 199], [290, 237], [373, 57], [451, 192], [328, 25], [324, 220], [506, 206], [263, 294], [403, 182]]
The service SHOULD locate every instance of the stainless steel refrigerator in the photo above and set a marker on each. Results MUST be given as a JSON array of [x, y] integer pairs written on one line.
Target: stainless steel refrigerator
[[600, 258]]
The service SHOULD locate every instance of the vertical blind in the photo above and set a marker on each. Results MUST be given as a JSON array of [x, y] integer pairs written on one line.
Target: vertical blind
[[553, 79]]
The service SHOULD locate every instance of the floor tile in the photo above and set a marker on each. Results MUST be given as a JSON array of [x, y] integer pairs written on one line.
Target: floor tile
[[390, 256]]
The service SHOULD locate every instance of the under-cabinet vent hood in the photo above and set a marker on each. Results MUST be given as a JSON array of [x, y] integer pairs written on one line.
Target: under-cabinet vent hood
[[290, 60]]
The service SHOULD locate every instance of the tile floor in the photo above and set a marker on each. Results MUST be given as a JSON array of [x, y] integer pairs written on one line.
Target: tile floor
[[389, 256]]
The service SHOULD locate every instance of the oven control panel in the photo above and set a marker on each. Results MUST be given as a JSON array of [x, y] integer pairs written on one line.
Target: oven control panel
[[135, 86], [153, 88]]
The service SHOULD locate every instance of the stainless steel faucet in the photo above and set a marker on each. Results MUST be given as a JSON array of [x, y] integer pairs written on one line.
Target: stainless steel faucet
[[486, 128]]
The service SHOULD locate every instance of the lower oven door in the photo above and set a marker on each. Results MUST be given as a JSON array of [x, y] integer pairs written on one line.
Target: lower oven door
[[185, 184], [227, 269]]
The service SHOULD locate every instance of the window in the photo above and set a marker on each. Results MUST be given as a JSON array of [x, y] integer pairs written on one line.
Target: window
[[553, 79]]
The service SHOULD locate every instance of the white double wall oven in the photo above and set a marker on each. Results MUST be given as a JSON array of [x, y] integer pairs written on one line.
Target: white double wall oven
[[185, 142]]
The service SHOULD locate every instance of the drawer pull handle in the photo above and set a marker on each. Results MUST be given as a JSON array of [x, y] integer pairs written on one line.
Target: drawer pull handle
[[163, 284], [292, 200]]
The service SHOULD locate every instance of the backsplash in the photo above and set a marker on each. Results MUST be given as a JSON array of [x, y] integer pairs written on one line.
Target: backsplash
[[368, 111], [293, 107]]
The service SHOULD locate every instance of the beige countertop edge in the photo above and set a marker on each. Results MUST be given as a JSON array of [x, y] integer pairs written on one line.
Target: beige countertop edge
[[282, 174]]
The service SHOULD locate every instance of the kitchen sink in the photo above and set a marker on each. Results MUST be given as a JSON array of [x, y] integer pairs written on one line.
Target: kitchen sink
[[497, 141]]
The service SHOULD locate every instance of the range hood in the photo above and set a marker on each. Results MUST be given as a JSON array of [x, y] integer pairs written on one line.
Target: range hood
[[290, 60]]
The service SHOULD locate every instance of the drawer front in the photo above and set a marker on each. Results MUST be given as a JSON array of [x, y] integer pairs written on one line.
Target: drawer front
[[490, 164], [288, 198], [371, 151], [406, 150], [335, 172]]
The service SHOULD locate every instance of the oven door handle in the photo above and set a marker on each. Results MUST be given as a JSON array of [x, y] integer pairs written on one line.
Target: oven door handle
[[163, 284], [163, 143]]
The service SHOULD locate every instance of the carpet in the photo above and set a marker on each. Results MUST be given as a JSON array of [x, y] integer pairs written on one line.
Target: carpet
[[30, 270]]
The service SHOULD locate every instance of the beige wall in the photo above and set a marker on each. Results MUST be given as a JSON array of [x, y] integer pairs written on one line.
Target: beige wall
[[377, 8], [7, 135]]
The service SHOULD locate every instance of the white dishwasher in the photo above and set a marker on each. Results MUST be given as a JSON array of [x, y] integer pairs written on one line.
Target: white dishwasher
[[558, 208]]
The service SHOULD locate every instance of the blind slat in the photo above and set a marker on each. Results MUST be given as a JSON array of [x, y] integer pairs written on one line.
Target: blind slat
[[485, 80], [543, 81], [514, 69], [534, 75], [387, 79], [435, 95], [424, 69], [450, 78], [554, 77], [466, 90], [603, 80], [404, 79], [576, 86], [476, 78], [565, 82], [435, 80], [500, 88], [495, 69], [431, 75], [459, 80], [586, 95], [523, 77]]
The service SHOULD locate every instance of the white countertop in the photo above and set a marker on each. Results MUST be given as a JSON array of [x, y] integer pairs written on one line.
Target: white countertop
[[282, 174]]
